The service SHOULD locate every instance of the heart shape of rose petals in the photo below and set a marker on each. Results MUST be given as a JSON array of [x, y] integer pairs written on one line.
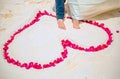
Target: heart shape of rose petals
[[65, 43]]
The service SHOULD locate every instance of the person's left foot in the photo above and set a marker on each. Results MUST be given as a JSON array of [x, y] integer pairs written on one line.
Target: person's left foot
[[61, 24]]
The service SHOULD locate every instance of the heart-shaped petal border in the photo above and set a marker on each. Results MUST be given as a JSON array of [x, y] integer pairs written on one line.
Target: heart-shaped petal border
[[65, 43]]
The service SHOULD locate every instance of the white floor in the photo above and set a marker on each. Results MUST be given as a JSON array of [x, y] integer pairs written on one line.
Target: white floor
[[41, 43]]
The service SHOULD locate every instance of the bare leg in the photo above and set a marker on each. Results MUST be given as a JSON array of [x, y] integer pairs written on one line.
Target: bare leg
[[76, 24], [61, 24]]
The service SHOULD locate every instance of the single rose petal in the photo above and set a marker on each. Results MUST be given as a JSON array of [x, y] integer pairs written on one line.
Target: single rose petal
[[117, 31], [52, 64]]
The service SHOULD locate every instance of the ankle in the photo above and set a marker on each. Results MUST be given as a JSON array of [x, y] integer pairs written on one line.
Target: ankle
[[75, 21], [60, 20]]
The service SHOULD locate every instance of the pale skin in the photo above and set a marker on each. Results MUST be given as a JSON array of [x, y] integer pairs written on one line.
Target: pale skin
[[60, 11], [61, 25]]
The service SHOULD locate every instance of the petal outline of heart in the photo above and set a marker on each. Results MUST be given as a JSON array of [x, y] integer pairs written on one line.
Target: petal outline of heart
[[65, 43]]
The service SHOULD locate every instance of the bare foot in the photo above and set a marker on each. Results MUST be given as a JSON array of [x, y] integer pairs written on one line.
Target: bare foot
[[61, 24], [76, 24]]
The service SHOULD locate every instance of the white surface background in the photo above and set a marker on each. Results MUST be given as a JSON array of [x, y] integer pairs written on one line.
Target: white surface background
[[27, 46]]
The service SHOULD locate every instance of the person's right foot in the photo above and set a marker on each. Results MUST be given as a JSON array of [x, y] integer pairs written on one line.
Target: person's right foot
[[76, 24], [61, 24]]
